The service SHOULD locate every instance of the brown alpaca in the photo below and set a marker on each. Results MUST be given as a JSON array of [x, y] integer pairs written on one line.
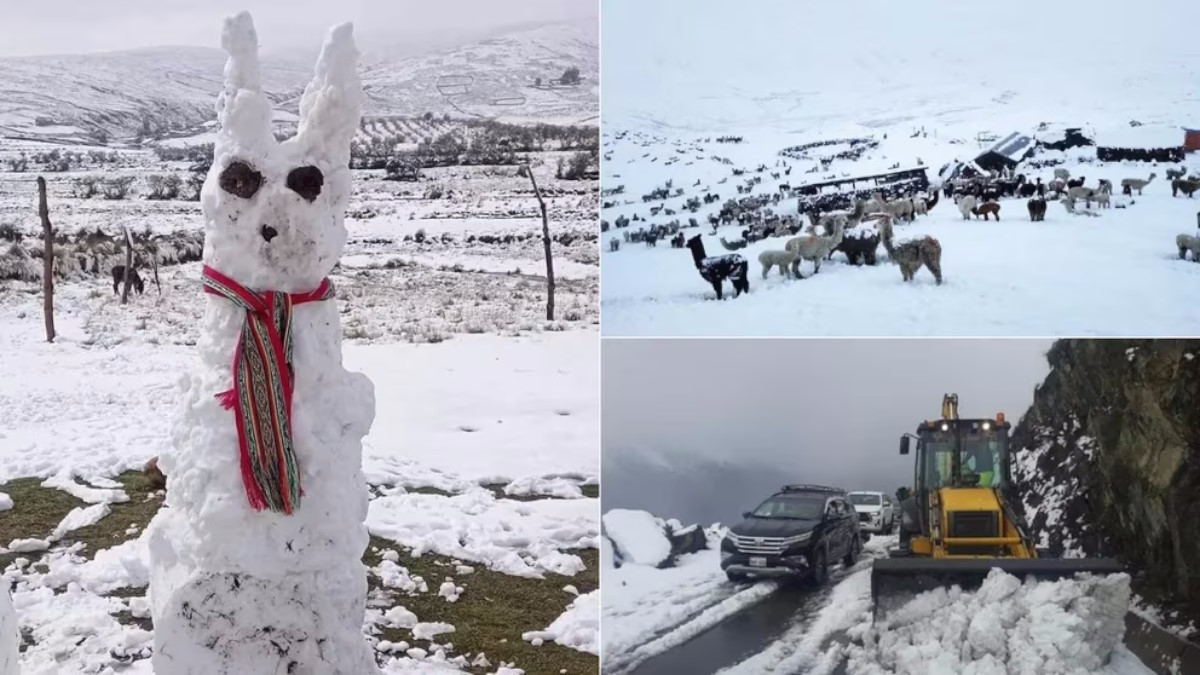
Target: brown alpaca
[[911, 255], [992, 208], [1037, 209], [1187, 187]]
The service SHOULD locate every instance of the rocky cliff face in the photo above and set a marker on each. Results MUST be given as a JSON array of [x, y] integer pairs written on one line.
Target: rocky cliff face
[[1107, 460]]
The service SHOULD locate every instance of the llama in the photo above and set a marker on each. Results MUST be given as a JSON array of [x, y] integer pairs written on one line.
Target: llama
[[677, 241], [1106, 185], [966, 206], [912, 254], [1062, 174], [614, 244], [815, 248], [920, 207], [1037, 209], [734, 245], [1187, 187], [782, 259], [717, 269], [1076, 182], [1103, 199], [1131, 184], [651, 239], [118, 275], [1078, 192], [860, 244], [986, 209], [1175, 174], [1187, 242]]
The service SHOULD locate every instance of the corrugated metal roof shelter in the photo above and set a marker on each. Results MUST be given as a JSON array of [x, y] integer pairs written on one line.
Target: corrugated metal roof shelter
[[1007, 153], [1191, 140]]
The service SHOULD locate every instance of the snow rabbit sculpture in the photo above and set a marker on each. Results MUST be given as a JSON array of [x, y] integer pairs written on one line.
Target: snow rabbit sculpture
[[256, 558]]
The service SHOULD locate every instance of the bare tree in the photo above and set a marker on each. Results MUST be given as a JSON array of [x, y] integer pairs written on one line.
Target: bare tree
[[546, 244], [128, 264], [47, 260]]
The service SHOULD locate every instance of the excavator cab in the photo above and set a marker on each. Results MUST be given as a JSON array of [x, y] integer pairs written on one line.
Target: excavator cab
[[958, 522]]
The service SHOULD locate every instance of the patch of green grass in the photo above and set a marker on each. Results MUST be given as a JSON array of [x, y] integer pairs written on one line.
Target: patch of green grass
[[497, 489], [492, 608], [592, 491], [35, 513], [111, 529]]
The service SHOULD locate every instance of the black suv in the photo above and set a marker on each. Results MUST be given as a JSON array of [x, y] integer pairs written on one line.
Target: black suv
[[796, 532]]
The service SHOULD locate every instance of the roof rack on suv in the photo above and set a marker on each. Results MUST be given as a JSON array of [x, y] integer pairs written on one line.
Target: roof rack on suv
[[812, 488]]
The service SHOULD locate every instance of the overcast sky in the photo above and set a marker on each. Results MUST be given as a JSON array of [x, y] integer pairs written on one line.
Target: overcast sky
[[702, 430], [395, 26]]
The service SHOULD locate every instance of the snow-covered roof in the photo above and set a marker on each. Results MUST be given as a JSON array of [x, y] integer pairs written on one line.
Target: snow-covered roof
[[1013, 146], [1144, 136]]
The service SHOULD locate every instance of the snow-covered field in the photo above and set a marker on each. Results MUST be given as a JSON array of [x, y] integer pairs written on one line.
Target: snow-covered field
[[482, 460], [906, 72]]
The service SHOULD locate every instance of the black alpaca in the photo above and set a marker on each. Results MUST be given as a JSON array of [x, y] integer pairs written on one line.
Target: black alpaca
[[119, 276], [717, 269]]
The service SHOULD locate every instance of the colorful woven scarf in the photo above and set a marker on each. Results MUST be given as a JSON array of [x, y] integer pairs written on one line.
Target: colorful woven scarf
[[262, 390]]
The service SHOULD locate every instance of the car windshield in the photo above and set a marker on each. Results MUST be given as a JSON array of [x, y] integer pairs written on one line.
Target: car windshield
[[795, 507], [865, 498]]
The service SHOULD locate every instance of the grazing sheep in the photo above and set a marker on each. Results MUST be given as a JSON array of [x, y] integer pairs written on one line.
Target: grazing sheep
[[1037, 209], [1187, 242], [614, 244], [717, 269], [1187, 187], [911, 255], [815, 248], [782, 259], [734, 245], [966, 206], [990, 208], [1131, 184], [1062, 174]]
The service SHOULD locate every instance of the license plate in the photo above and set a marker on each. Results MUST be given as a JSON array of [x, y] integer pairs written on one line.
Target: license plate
[[758, 561]]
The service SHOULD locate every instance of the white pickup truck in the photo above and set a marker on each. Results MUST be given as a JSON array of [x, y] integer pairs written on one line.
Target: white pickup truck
[[876, 511]]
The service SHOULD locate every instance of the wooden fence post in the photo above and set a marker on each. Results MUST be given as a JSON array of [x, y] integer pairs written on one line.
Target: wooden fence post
[[47, 260], [546, 245]]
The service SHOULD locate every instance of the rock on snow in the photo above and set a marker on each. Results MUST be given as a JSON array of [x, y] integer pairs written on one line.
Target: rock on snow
[[638, 536]]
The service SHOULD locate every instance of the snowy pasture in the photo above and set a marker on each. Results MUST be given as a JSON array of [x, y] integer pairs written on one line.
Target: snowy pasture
[[905, 79], [482, 460]]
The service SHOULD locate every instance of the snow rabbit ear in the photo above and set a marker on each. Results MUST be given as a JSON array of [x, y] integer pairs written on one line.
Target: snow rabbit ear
[[332, 102], [243, 111]]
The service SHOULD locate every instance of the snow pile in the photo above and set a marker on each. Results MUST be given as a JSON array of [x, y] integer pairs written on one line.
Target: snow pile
[[518, 538], [1048, 627], [577, 628], [10, 635], [639, 537]]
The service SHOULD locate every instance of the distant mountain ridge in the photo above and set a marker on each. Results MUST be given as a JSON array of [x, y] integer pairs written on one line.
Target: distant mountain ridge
[[168, 90]]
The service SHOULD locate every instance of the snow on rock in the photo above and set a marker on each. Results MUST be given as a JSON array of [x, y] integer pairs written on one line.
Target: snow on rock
[[1046, 627], [518, 538], [81, 517], [27, 545], [577, 628], [10, 635], [545, 486], [6, 502], [638, 537], [269, 581], [449, 591]]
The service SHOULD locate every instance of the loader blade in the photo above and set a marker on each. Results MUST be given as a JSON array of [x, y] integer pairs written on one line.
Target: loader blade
[[896, 580]]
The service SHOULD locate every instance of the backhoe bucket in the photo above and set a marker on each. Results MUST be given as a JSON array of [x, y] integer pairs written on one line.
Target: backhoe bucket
[[894, 581]]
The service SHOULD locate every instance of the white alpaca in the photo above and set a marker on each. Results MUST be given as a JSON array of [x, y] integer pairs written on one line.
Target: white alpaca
[[1187, 242], [1084, 193], [966, 205], [815, 248], [1103, 199], [1062, 174], [920, 206], [255, 563], [781, 259]]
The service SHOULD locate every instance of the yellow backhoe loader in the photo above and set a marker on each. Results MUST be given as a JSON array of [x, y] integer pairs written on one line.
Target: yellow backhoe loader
[[960, 521]]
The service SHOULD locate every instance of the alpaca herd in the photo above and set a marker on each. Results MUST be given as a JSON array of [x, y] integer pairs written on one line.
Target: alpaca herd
[[857, 221]]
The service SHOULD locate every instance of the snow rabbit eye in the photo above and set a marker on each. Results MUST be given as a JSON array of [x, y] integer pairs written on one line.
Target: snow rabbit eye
[[306, 181], [240, 180]]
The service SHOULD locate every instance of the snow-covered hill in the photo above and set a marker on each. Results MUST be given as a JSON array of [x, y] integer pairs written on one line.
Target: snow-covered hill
[[169, 90]]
